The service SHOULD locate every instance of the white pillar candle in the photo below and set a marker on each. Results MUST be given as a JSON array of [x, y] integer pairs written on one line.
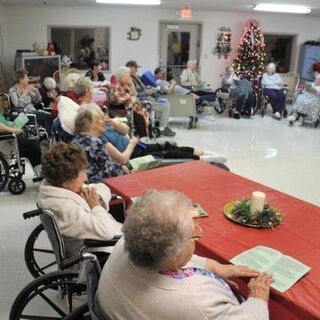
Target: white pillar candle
[[257, 202]]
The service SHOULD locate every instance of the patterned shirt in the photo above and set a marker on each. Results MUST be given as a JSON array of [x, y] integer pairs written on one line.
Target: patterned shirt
[[188, 272], [100, 165]]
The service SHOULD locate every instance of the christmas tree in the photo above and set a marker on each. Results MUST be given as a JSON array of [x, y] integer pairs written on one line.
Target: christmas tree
[[249, 63]]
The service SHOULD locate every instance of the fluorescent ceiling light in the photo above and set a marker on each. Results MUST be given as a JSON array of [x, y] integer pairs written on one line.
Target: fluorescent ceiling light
[[131, 2], [271, 7]]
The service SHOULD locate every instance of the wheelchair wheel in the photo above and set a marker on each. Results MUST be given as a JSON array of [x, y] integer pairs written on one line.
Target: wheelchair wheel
[[52, 296], [38, 256], [81, 313], [256, 105], [4, 172], [16, 186]]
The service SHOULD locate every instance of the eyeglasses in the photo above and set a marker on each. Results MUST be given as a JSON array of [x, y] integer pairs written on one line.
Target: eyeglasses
[[198, 232]]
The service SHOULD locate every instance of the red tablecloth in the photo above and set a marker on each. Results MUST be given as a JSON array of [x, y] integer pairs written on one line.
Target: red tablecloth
[[298, 236]]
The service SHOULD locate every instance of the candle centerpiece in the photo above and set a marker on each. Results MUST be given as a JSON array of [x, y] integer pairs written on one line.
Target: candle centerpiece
[[253, 212], [257, 202]]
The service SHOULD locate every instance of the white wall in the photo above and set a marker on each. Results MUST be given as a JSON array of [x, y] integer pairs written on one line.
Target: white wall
[[25, 25]]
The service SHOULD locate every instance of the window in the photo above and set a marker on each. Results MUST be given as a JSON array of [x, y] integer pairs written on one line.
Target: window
[[278, 50], [83, 45]]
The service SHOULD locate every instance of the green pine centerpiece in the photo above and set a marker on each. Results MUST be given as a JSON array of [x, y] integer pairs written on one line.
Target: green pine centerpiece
[[239, 211]]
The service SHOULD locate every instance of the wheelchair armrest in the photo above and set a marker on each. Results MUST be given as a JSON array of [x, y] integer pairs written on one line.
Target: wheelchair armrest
[[31, 214], [7, 136], [91, 243]]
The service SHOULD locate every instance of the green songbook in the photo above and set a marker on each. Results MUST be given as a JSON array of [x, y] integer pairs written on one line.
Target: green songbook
[[20, 121], [286, 271], [143, 163]]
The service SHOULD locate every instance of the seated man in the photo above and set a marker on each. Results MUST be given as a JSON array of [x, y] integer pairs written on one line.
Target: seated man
[[121, 149], [191, 80], [160, 107], [166, 87]]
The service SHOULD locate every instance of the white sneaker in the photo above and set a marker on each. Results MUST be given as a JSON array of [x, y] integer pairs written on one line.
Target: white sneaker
[[276, 116], [214, 158], [292, 118]]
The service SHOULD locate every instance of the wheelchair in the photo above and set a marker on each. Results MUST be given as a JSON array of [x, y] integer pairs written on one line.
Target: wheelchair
[[59, 290], [39, 254], [12, 165]]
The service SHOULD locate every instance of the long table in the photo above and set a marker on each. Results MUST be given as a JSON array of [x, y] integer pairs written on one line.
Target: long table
[[298, 236]]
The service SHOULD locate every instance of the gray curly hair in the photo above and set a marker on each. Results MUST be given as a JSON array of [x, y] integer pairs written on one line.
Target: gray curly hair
[[82, 86], [49, 83], [122, 72], [157, 227], [86, 114]]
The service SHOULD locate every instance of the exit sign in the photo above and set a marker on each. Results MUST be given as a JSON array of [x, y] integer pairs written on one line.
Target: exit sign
[[186, 13]]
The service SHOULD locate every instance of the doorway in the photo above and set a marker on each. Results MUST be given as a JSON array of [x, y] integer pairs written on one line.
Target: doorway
[[279, 51], [179, 42]]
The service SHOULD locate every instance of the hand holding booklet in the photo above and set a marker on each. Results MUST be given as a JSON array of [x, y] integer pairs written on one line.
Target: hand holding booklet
[[20, 121], [285, 270]]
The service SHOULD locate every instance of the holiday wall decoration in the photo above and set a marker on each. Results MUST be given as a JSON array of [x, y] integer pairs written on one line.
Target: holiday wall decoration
[[223, 46], [249, 63]]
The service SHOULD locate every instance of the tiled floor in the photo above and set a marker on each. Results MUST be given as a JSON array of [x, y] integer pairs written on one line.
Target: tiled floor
[[262, 149]]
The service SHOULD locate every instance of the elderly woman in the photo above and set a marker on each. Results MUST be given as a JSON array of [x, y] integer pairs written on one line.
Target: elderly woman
[[25, 97], [154, 273], [84, 90], [273, 89], [89, 125], [49, 92], [81, 211], [125, 93], [225, 79], [307, 104]]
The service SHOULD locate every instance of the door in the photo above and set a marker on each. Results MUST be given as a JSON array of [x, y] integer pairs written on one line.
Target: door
[[179, 42]]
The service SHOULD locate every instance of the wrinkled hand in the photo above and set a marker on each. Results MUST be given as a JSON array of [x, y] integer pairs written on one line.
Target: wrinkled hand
[[259, 287], [230, 271], [125, 169], [149, 92], [91, 196], [16, 130]]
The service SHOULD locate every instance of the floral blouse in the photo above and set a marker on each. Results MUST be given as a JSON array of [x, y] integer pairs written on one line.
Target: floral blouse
[[189, 272], [100, 166], [125, 93]]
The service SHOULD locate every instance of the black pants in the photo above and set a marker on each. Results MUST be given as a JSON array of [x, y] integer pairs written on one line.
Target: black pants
[[45, 120], [140, 126], [28, 149], [244, 105], [166, 151]]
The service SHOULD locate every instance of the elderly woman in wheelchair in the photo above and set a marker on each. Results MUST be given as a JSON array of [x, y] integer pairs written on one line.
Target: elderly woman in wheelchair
[[153, 272], [273, 90], [81, 210], [307, 105], [25, 98]]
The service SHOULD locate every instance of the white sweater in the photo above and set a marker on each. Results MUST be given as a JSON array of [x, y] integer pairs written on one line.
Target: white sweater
[[128, 292], [273, 81], [75, 219]]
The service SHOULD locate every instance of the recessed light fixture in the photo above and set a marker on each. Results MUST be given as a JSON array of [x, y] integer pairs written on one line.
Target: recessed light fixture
[[131, 2], [285, 8]]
